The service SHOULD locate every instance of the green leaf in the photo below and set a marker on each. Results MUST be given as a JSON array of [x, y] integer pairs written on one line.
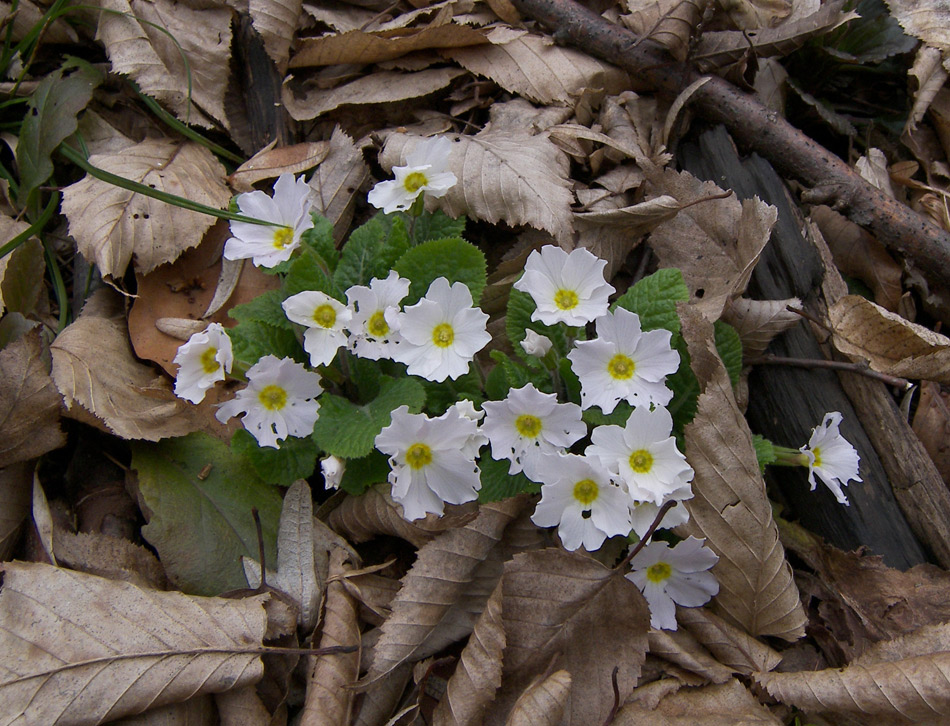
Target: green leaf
[[594, 416], [685, 388], [319, 239], [295, 459], [199, 519], [437, 225], [498, 484], [349, 431], [251, 340], [365, 375], [764, 451], [360, 474], [439, 396], [496, 383], [309, 271], [729, 347], [654, 299], [371, 251], [265, 308], [517, 374], [518, 318], [50, 119], [452, 258]]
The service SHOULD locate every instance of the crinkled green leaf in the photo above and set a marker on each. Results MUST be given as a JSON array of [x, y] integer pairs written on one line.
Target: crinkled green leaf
[[310, 271], [439, 396], [593, 416], [654, 299], [518, 319], [764, 451], [362, 473], [295, 459], [265, 308], [518, 375], [452, 258], [348, 430], [371, 251], [498, 484], [197, 495], [252, 340], [437, 225], [319, 238]]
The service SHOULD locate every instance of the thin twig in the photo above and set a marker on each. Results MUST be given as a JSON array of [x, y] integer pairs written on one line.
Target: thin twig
[[649, 533], [835, 365], [616, 707]]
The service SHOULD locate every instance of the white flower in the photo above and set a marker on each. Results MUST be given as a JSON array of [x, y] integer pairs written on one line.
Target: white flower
[[680, 575], [269, 245], [278, 401], [567, 288], [325, 320], [528, 425], [332, 468], [202, 361], [643, 454], [373, 329], [642, 514], [466, 409], [429, 461], [624, 363], [578, 496], [441, 333], [535, 344], [424, 172], [831, 457]]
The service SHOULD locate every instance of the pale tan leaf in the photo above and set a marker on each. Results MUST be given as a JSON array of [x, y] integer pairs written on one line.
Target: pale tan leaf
[[197, 711], [146, 39], [15, 490], [873, 168], [42, 519], [85, 650], [379, 87], [441, 573], [681, 648], [543, 702], [337, 181], [329, 699], [730, 507], [112, 224], [241, 707], [29, 402], [341, 18], [726, 704], [931, 75], [926, 21], [534, 67], [105, 556], [381, 700], [276, 21], [759, 321], [667, 22], [567, 609], [731, 646], [753, 14], [270, 163], [504, 175], [890, 344], [374, 593], [30, 16], [129, 397], [478, 673]]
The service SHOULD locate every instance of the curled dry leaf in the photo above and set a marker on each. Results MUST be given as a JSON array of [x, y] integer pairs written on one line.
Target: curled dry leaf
[[106, 556], [932, 425], [276, 21], [270, 163], [337, 181], [753, 14], [728, 644], [681, 648], [543, 702], [381, 700], [730, 507], [668, 22], [890, 344], [727, 704], [112, 225], [98, 650], [127, 396], [759, 321]]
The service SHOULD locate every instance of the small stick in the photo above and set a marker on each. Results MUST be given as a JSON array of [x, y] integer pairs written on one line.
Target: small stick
[[649, 533], [836, 365]]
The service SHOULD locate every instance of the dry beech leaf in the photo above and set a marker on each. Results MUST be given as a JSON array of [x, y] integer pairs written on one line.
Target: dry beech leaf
[[374, 593], [932, 425], [728, 644], [567, 608], [752, 14], [15, 482], [533, 67], [715, 243], [112, 224], [926, 21], [29, 402], [726, 704], [730, 507], [381, 700], [929, 71], [197, 711], [239, 707], [478, 673], [441, 573], [129, 397], [270, 163], [543, 702], [29, 16], [890, 344], [860, 255], [42, 520], [277, 22], [668, 22], [105, 556], [330, 697], [504, 175], [681, 648], [873, 167], [379, 87], [146, 39], [758, 322], [94, 649], [337, 181]]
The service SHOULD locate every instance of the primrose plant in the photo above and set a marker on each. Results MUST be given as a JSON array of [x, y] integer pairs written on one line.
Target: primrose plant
[[376, 360]]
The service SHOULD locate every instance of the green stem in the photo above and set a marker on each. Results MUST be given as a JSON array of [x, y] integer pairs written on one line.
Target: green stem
[[785, 456]]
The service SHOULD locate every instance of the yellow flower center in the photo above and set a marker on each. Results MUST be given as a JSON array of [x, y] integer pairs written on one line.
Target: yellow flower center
[[283, 236], [377, 325], [817, 452], [565, 299], [324, 316], [641, 461], [272, 397], [443, 335], [660, 572], [528, 426], [418, 455], [209, 363], [585, 491], [621, 367], [415, 181]]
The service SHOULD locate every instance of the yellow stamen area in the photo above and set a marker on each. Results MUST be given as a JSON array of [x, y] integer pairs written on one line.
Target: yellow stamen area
[[283, 236], [565, 299], [817, 452], [641, 461], [528, 426], [660, 572], [377, 325], [209, 363], [586, 491], [621, 367], [324, 316], [415, 181], [418, 455], [443, 335], [272, 397]]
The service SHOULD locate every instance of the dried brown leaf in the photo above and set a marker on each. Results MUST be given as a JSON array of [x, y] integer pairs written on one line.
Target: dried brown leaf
[[241, 707], [543, 702], [730, 507], [270, 163], [197, 711], [9, 228], [932, 425], [105, 556], [752, 14], [727, 704], [889, 343], [667, 22], [337, 181], [381, 700], [926, 21], [94, 650], [759, 321], [29, 402], [276, 21], [728, 644], [931, 75], [15, 488], [112, 224], [681, 648]]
